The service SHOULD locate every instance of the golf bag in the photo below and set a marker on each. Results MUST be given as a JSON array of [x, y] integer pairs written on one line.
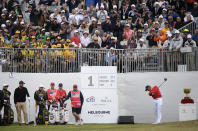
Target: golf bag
[[43, 115], [53, 113], [8, 116]]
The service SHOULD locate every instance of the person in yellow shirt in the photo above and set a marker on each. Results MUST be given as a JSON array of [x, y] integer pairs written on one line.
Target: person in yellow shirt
[[166, 28], [66, 45], [33, 42], [23, 36], [53, 58]]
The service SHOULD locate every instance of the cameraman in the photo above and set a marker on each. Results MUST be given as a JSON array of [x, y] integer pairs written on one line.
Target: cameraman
[[5, 100]]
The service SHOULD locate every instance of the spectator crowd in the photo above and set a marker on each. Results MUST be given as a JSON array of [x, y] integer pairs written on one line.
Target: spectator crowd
[[97, 24]]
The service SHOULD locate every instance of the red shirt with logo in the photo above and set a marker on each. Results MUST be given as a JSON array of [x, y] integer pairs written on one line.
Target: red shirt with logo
[[75, 99], [62, 93], [52, 94], [155, 92]]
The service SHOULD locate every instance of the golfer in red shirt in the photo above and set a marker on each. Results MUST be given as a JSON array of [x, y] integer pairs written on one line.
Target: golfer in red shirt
[[157, 97]]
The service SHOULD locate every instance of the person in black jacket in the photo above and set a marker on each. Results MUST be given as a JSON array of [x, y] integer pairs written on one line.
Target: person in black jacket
[[20, 94], [5, 100]]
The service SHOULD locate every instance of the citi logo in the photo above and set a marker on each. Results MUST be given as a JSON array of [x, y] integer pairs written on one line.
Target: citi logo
[[91, 99]]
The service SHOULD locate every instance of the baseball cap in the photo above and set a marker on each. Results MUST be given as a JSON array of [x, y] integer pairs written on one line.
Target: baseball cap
[[5, 85], [141, 40], [75, 86], [108, 17], [3, 25], [76, 31], [52, 83], [146, 24], [60, 85], [41, 86], [85, 32], [177, 32], [160, 16], [114, 6], [169, 35], [127, 25], [132, 5], [102, 6], [95, 38], [146, 88], [21, 82], [189, 36]]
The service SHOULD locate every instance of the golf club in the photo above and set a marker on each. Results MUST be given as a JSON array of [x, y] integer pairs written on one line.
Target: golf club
[[165, 80]]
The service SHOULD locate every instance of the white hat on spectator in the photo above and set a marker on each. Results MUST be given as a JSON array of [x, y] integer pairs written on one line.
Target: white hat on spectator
[[2, 14], [22, 22], [43, 29], [146, 24], [75, 31], [7, 21], [113, 38], [160, 16], [96, 31], [156, 22], [108, 17], [132, 5], [15, 22], [93, 19], [141, 40], [156, 3], [177, 32], [4, 9], [164, 9], [5, 85], [112, 48], [3, 25], [62, 11], [127, 25], [115, 6], [189, 36], [169, 35], [102, 6], [85, 32], [143, 3]]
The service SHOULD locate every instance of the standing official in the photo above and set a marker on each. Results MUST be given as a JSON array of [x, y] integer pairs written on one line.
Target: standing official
[[77, 100], [156, 94], [20, 94]]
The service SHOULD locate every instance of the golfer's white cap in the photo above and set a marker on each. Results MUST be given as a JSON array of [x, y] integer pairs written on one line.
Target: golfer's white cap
[[5, 85], [189, 36], [41, 86]]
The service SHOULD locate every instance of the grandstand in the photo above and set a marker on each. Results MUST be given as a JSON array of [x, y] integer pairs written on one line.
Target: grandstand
[[61, 36], [53, 40]]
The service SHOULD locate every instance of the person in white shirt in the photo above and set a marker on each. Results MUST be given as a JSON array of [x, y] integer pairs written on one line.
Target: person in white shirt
[[190, 42], [141, 53], [56, 15], [85, 39], [177, 41], [71, 18], [102, 14], [191, 56], [168, 42]]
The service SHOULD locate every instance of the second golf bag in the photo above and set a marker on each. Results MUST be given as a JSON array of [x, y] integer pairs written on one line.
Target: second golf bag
[[43, 115]]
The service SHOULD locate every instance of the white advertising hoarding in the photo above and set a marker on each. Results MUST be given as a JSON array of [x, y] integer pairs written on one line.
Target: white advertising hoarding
[[99, 87]]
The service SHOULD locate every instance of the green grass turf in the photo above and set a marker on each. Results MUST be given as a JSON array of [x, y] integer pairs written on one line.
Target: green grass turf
[[175, 126]]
